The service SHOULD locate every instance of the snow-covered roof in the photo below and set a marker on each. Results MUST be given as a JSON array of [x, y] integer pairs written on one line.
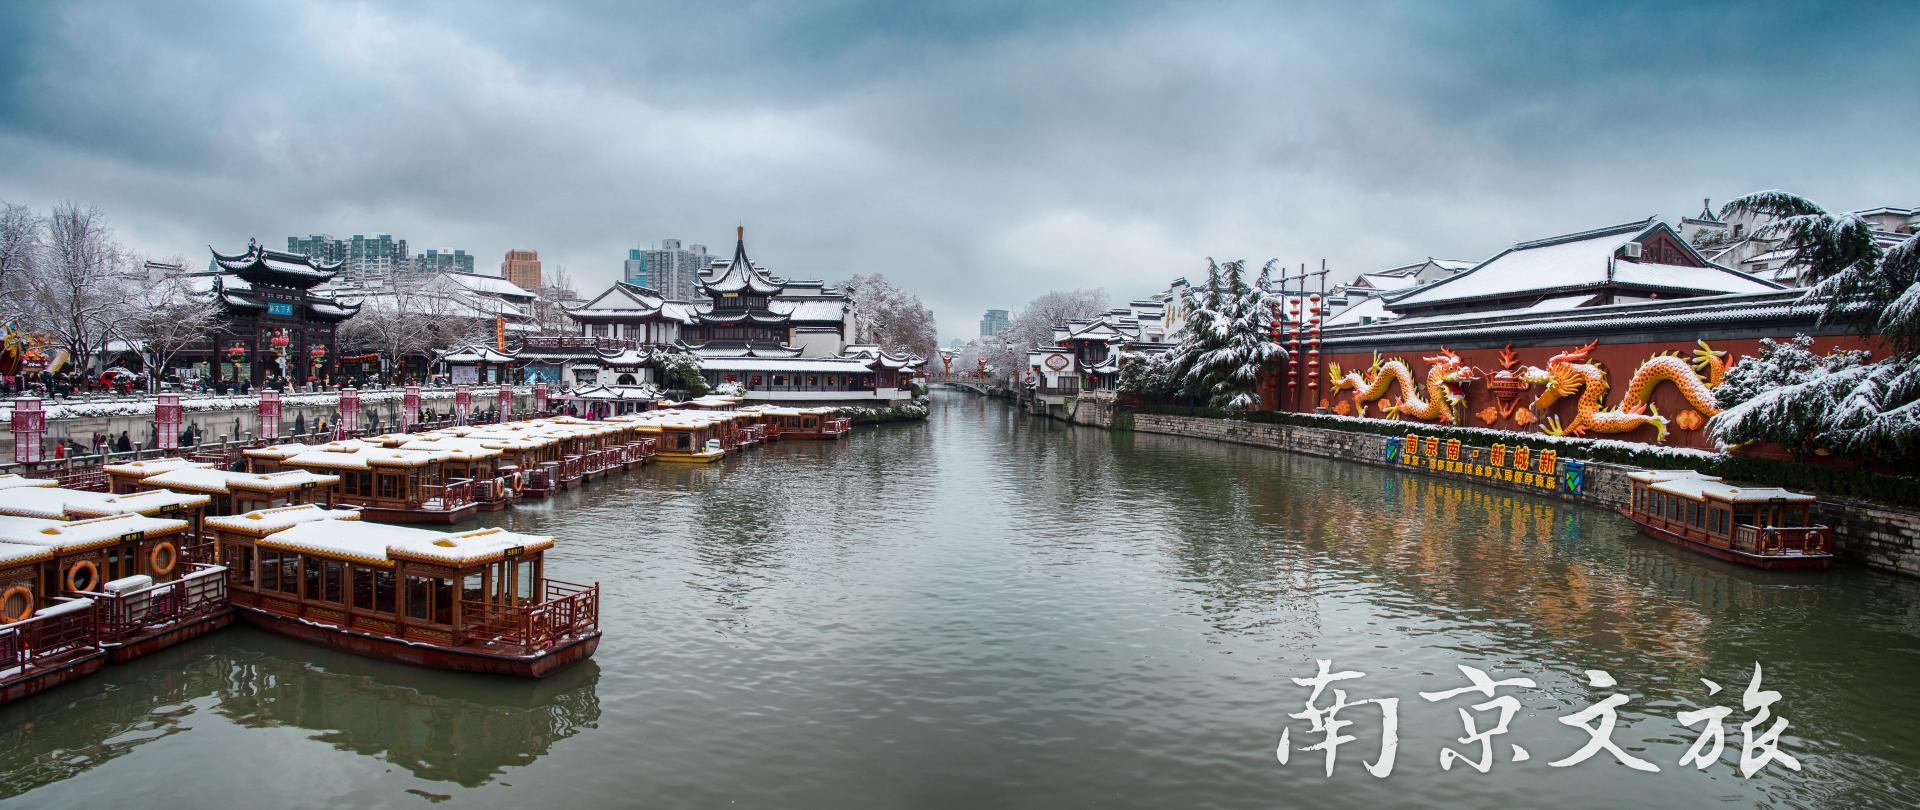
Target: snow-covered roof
[[152, 466], [380, 544], [1655, 476], [474, 353], [267, 521], [1371, 310], [740, 274], [490, 285], [1714, 488], [816, 309], [10, 481], [222, 482], [42, 502], [68, 536], [148, 502], [810, 365], [1574, 261], [475, 547], [13, 554]]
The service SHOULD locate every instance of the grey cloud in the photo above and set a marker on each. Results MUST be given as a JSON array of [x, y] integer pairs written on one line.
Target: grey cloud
[[977, 153]]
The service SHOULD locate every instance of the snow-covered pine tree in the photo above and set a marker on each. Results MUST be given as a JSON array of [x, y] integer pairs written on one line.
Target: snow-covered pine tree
[[1835, 404], [1197, 336], [1231, 345]]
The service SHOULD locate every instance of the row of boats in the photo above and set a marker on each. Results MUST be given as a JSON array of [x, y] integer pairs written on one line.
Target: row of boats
[[300, 540]]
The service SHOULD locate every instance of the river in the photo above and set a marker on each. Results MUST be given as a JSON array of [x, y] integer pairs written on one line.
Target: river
[[994, 610]]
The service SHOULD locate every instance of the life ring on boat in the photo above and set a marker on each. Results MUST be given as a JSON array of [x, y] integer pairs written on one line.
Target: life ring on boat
[[16, 604], [163, 559], [83, 576]]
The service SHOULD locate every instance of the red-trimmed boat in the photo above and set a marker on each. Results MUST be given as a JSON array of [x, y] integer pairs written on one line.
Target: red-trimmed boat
[[1764, 527], [474, 601]]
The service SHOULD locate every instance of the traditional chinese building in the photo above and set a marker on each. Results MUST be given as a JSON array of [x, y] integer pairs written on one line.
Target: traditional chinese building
[[1618, 332], [275, 325]]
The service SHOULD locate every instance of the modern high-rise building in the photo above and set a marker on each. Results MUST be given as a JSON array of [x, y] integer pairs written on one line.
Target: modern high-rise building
[[993, 323], [440, 260], [670, 270], [522, 268], [361, 255]]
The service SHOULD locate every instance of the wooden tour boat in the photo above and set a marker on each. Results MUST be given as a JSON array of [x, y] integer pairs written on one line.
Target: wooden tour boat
[[474, 601], [1764, 527], [147, 596], [399, 486]]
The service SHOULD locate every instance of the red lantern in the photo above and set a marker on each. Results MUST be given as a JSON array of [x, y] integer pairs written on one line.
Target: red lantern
[[269, 415], [29, 424], [280, 339], [166, 419], [409, 408], [350, 410]]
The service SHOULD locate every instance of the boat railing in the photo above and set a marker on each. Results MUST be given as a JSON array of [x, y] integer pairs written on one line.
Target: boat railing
[[1774, 540], [42, 639], [454, 494], [566, 610], [570, 467], [125, 615], [649, 446]]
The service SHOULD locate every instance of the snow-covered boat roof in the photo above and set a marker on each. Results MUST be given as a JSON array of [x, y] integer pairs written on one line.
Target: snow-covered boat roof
[[149, 502], [261, 522], [43, 502], [152, 466], [81, 535], [476, 547], [11, 481], [1716, 489], [1655, 476], [13, 554], [223, 482], [380, 544]]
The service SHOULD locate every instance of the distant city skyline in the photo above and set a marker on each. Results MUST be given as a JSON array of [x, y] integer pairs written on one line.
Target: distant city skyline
[[978, 155]]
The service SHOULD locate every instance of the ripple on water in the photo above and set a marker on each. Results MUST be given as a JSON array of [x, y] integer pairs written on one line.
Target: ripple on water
[[989, 609]]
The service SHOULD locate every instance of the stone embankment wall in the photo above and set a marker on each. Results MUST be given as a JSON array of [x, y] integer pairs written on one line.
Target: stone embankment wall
[[236, 423], [1877, 536]]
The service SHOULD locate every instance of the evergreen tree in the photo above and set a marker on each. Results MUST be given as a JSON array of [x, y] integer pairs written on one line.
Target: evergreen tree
[[1226, 343], [1838, 403]]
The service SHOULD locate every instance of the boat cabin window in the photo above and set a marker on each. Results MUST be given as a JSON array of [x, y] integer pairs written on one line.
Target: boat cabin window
[[356, 483], [683, 441], [323, 579], [269, 570], [120, 560], [1791, 516], [241, 558], [430, 599], [1743, 517], [373, 590], [388, 486]]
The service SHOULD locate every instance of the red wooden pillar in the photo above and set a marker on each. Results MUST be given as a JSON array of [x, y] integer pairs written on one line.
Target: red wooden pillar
[[166, 420], [29, 425]]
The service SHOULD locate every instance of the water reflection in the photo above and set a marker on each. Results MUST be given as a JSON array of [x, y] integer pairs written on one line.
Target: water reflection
[[437, 726]]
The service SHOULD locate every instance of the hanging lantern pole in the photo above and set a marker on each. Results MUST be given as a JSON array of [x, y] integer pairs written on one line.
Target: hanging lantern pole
[[462, 403], [166, 420], [409, 408], [29, 425]]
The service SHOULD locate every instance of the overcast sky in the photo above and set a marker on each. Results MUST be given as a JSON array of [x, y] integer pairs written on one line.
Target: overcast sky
[[978, 153]]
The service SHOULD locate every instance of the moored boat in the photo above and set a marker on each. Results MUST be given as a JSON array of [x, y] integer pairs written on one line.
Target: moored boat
[[474, 601], [1765, 527]]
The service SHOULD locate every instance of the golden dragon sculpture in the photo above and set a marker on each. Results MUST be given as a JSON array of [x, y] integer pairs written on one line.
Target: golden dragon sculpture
[[1568, 373], [1445, 372]]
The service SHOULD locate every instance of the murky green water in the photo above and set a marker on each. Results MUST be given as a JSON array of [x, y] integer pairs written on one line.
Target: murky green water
[[989, 610]]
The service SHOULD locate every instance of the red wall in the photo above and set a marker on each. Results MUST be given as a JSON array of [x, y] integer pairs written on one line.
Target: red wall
[[1619, 359]]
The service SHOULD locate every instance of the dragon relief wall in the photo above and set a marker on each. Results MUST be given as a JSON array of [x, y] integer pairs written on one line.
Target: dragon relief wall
[[1654, 392]]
